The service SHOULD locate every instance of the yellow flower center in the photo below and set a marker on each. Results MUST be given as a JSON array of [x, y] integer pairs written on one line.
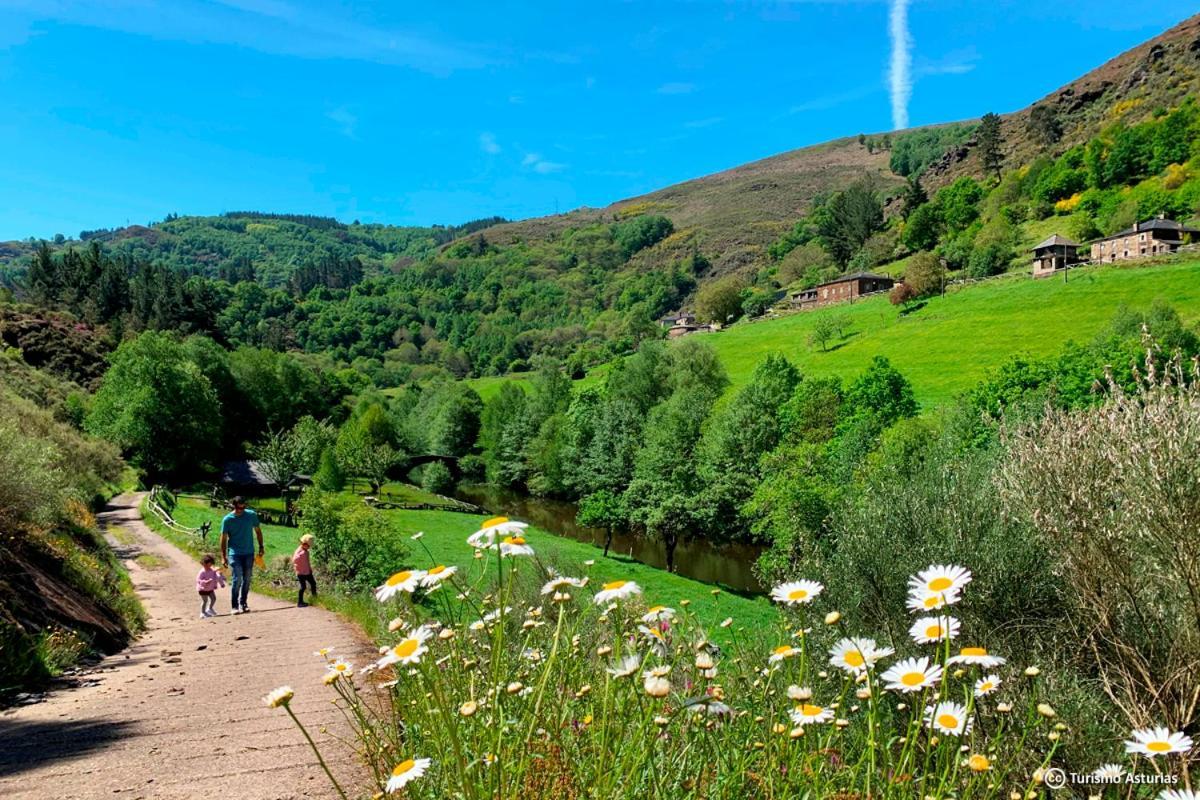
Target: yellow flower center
[[797, 594], [912, 678], [940, 584], [978, 763], [406, 648], [933, 632], [438, 570], [933, 601], [974, 651], [399, 578], [403, 767], [810, 710], [608, 587], [340, 667], [487, 523], [986, 686], [782, 650], [1158, 747], [948, 721], [854, 658], [655, 609]]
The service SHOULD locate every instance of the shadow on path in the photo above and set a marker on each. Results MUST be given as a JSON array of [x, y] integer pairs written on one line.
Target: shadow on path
[[27, 745]]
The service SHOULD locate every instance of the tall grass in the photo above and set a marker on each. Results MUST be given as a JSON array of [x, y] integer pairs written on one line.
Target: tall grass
[[569, 689]]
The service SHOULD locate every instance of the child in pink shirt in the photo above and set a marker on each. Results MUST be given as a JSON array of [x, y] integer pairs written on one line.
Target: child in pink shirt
[[206, 584], [303, 565]]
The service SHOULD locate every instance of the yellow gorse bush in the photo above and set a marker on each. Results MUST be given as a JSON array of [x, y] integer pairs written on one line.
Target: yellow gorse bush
[[588, 690]]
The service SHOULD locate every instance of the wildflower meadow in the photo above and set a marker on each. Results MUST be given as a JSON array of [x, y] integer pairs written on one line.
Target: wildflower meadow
[[510, 680]]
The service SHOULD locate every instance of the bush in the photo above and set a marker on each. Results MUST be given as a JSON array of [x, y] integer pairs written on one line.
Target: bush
[[352, 543], [988, 260], [436, 478], [1112, 492]]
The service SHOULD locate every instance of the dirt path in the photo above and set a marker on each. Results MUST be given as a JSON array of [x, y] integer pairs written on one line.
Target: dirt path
[[179, 714]]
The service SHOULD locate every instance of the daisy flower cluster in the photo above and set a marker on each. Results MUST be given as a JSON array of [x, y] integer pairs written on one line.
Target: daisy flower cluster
[[508, 678]]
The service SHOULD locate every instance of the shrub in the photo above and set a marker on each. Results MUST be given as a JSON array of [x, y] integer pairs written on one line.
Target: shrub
[[352, 543], [1112, 491], [436, 478]]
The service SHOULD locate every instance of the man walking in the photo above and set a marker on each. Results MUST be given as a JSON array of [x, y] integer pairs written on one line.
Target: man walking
[[238, 529]]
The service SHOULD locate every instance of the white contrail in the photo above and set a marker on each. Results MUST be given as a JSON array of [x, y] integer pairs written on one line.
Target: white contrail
[[900, 74]]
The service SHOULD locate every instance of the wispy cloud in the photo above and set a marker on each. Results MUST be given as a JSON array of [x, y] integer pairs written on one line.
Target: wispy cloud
[[540, 165], [828, 101], [488, 143], [346, 121], [956, 62], [900, 72], [275, 27], [677, 88]]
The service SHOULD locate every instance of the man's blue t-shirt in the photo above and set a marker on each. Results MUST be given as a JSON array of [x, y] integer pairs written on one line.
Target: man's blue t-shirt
[[240, 530]]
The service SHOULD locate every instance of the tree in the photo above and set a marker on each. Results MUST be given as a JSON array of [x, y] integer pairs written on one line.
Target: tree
[[1044, 125], [156, 406], [847, 221], [923, 228], [329, 476], [914, 196], [824, 330], [278, 457], [959, 203], [602, 509], [991, 143], [664, 496], [925, 275], [721, 300], [880, 392]]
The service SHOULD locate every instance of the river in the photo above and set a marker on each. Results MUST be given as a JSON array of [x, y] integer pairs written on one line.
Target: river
[[730, 565]]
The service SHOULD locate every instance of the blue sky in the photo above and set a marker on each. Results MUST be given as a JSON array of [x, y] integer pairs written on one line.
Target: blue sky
[[418, 113]]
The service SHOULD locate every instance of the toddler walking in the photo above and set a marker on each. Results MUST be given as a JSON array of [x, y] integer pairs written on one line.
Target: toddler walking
[[304, 573], [206, 584]]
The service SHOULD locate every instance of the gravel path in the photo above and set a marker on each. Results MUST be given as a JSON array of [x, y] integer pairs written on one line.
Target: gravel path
[[179, 714]]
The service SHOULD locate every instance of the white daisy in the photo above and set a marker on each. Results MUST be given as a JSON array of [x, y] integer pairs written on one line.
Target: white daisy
[[976, 655], [1179, 794], [657, 614], [782, 652], [923, 600], [514, 546], [912, 675], [409, 650], [279, 697], [405, 772], [857, 654], [485, 537], [1109, 773], [343, 668], [323, 652], [628, 666], [656, 638], [560, 582], [795, 593], [928, 630], [948, 717], [438, 574], [986, 685], [616, 590], [405, 581], [1159, 741], [809, 714], [940, 578]]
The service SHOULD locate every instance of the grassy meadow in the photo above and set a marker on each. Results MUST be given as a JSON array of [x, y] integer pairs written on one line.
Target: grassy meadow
[[444, 542], [952, 342]]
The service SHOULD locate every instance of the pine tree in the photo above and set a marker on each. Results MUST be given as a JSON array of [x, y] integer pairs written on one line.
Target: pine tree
[[990, 142], [914, 196]]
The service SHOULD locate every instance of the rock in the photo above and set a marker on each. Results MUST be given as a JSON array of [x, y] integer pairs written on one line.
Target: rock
[[202, 647]]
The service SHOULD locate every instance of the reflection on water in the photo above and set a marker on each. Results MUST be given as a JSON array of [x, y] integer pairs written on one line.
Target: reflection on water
[[729, 565]]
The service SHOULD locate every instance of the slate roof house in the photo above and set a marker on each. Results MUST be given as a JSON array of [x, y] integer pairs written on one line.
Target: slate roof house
[[1057, 252], [847, 287], [1150, 238]]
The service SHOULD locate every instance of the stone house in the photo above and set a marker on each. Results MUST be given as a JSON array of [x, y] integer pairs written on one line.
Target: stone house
[[845, 288], [1055, 253], [1150, 238]]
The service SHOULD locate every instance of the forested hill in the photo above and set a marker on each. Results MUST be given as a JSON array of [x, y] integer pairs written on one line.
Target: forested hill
[[271, 248]]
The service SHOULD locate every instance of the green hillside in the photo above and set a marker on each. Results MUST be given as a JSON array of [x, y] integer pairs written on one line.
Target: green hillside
[[953, 341]]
